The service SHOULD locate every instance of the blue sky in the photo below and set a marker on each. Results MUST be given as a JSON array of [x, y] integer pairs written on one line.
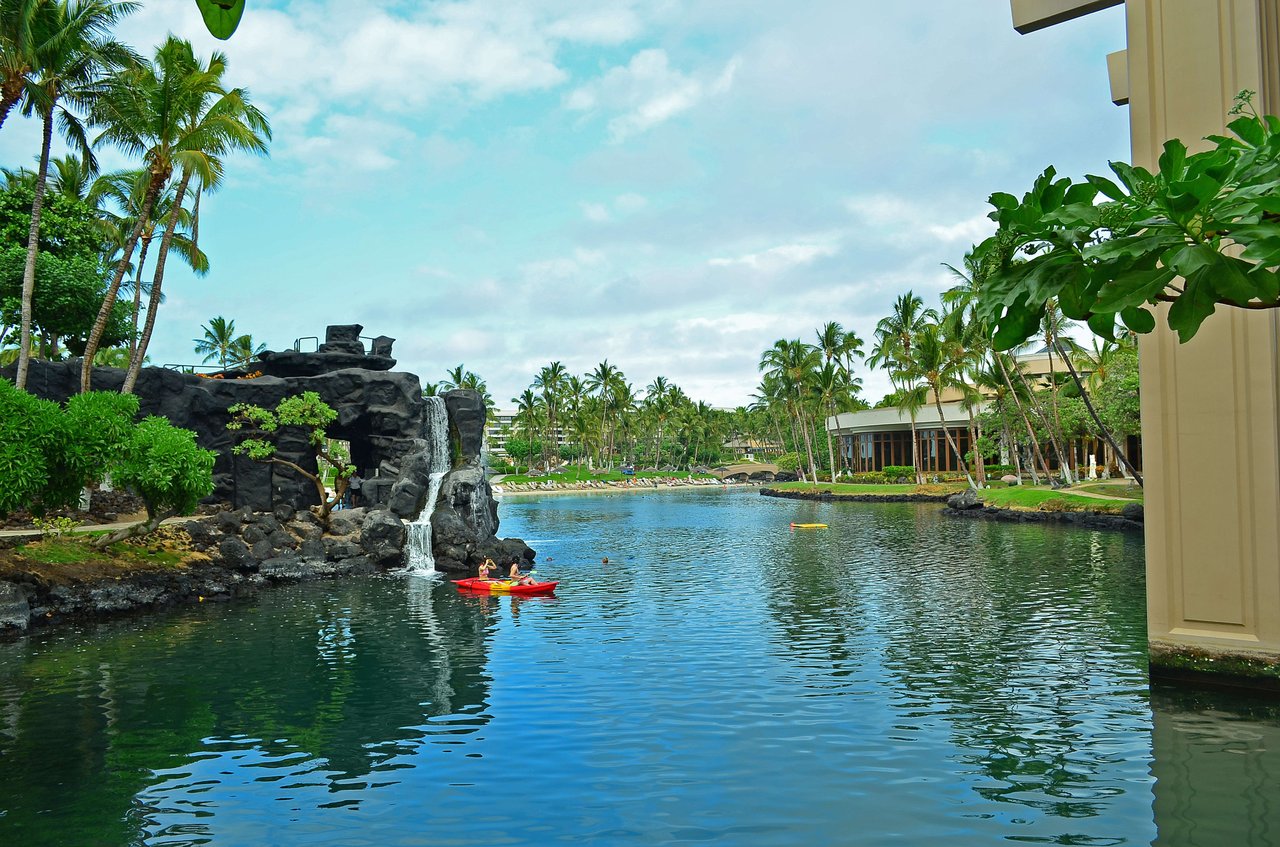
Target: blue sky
[[671, 185]]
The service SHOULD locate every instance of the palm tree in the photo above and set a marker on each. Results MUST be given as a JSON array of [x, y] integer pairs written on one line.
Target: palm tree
[[895, 338], [1103, 359], [601, 380], [936, 361], [550, 380], [67, 74], [219, 339], [243, 351], [528, 416], [24, 26], [830, 382], [793, 364], [127, 190], [212, 123]]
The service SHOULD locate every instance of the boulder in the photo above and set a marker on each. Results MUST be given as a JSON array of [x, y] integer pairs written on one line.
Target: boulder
[[965, 500], [383, 538], [1133, 512], [234, 553], [15, 611], [1009, 478]]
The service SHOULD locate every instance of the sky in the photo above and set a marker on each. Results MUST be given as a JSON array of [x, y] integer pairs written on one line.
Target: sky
[[670, 185]]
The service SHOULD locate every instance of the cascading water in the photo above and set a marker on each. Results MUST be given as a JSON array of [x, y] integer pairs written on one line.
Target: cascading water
[[420, 558]]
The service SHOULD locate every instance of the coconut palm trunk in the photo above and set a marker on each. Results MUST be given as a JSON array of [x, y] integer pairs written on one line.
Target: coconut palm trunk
[[153, 301], [33, 249], [1106, 433], [955, 448], [158, 180], [137, 294], [1031, 432]]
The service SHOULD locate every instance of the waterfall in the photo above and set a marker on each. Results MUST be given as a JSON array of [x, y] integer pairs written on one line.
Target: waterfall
[[420, 558]]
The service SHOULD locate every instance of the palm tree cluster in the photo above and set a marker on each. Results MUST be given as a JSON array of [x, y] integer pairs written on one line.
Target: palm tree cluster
[[172, 112], [804, 384], [929, 353], [602, 420]]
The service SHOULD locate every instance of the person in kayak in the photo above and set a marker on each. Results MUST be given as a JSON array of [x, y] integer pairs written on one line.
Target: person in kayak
[[487, 567], [520, 578]]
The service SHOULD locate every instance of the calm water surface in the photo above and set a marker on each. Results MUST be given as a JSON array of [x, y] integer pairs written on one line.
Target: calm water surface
[[898, 678]]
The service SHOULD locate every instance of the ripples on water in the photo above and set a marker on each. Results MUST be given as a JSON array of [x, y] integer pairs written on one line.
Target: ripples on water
[[896, 678]]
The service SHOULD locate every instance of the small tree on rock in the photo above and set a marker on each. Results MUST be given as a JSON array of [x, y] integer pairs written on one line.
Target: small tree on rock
[[310, 413]]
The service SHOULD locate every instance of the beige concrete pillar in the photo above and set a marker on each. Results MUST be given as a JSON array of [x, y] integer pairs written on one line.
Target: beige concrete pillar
[[1211, 407]]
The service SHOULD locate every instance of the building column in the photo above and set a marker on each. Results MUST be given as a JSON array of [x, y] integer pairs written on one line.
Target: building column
[[1211, 407]]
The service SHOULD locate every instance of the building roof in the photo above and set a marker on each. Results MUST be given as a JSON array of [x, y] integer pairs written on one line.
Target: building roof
[[889, 419]]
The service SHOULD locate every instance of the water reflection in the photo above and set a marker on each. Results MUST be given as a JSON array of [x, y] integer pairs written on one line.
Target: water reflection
[[899, 677], [124, 730], [1216, 762]]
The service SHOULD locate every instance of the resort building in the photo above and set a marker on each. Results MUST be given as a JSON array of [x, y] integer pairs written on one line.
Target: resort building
[[501, 426], [872, 439]]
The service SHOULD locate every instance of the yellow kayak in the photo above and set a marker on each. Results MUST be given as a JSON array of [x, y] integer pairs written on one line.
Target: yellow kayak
[[808, 526]]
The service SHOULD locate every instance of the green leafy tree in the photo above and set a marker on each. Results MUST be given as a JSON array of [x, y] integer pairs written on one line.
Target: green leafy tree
[[1201, 232], [68, 293], [162, 464], [312, 415]]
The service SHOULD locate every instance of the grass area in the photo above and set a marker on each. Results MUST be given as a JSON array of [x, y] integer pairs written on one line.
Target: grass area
[[1045, 499], [577, 474], [76, 551], [1040, 498]]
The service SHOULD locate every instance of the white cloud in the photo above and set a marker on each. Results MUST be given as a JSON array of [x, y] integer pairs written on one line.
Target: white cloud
[[904, 223], [782, 257], [648, 92]]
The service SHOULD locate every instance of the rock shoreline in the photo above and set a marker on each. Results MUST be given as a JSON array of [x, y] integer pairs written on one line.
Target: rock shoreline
[[234, 554], [1087, 520], [965, 505]]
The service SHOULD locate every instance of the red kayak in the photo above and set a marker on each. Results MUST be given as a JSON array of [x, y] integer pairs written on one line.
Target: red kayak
[[504, 586]]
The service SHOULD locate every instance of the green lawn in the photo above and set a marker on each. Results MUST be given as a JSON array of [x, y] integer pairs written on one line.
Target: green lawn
[[1040, 498], [76, 550]]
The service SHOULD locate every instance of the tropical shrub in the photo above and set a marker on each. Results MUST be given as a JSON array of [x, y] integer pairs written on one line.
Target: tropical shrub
[[869, 478], [788, 462], [49, 454], [162, 464], [899, 473]]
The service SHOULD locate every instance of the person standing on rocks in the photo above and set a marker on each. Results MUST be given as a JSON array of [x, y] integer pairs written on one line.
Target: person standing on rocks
[[354, 484]]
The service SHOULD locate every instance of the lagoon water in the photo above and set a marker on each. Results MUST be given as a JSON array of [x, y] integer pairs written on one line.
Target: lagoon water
[[897, 678]]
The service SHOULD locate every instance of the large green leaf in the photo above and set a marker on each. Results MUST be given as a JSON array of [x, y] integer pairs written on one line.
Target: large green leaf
[[221, 16], [1196, 303], [1138, 320]]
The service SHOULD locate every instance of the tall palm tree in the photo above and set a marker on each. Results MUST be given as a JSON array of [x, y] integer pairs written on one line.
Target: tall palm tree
[[793, 364], [127, 190], [66, 77], [894, 350], [243, 350], [529, 408], [212, 123], [831, 383], [24, 26], [601, 380], [219, 339], [550, 380], [935, 360]]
